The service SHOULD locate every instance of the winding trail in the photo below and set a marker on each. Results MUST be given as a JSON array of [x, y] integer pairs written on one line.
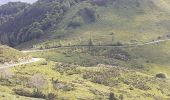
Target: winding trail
[[38, 59], [122, 46], [20, 63]]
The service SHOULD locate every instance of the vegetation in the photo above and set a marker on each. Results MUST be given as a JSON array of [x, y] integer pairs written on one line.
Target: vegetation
[[10, 10], [112, 96], [84, 83], [90, 49], [10, 55], [70, 21], [74, 26], [43, 16], [161, 75]]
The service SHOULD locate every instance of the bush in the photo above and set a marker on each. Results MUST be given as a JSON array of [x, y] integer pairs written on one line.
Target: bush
[[37, 81], [51, 96], [104, 76], [161, 75], [69, 69], [88, 15], [44, 63], [112, 96], [22, 92], [118, 44], [63, 86], [38, 94], [74, 24], [27, 93]]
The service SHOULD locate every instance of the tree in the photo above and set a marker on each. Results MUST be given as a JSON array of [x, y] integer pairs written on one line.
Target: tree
[[36, 25], [37, 81], [90, 42], [34, 33], [112, 35], [112, 96]]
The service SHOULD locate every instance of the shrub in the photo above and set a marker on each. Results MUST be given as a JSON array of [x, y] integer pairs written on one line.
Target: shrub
[[6, 82], [63, 86], [112, 96], [37, 81], [67, 68], [121, 97], [27, 93], [161, 75], [104, 76], [88, 15], [51, 96], [44, 63], [74, 24], [38, 94], [22, 92]]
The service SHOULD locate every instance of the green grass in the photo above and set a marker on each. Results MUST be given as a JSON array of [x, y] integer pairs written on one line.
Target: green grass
[[135, 76], [153, 57], [87, 87], [127, 21], [134, 80], [8, 54], [150, 59]]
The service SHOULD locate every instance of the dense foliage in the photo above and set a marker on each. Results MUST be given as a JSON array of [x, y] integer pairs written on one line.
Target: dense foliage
[[9, 11], [33, 21]]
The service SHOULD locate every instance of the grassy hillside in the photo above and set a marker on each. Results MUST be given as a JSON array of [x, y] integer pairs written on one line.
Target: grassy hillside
[[91, 72], [136, 79], [8, 54], [150, 59], [123, 21], [119, 22], [72, 82], [71, 22]]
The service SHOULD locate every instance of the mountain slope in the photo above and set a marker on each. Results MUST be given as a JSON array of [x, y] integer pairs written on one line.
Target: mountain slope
[[115, 70], [10, 10], [139, 21], [129, 20], [33, 22]]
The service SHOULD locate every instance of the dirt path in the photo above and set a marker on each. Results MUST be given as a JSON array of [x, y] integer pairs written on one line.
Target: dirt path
[[21, 63], [122, 46]]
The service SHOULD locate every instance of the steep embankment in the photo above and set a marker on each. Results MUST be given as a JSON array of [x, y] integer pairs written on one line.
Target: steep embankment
[[9, 55]]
